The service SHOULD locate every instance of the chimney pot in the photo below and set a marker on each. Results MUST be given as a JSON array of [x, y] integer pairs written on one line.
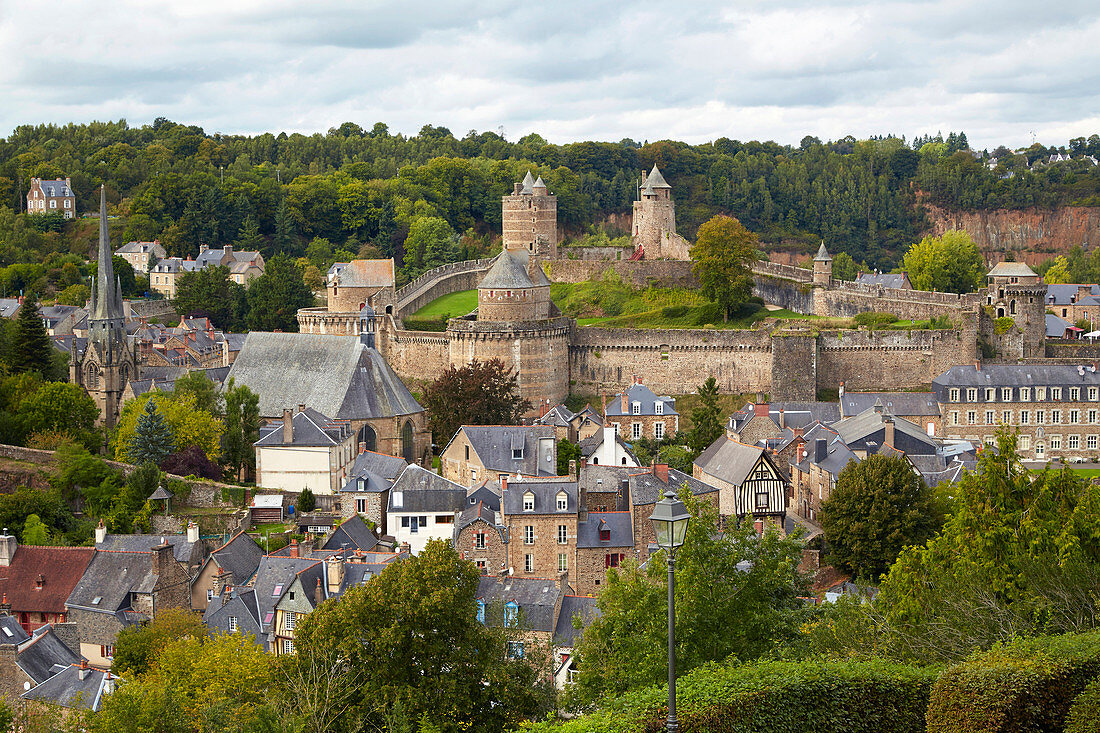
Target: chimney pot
[[362, 448], [301, 407], [288, 426], [294, 548]]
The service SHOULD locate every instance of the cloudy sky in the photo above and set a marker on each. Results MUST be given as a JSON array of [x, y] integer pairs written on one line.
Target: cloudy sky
[[1001, 70]]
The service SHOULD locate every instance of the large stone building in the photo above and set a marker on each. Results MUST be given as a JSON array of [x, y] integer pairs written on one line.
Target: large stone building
[[351, 287], [110, 358], [140, 254], [51, 197], [653, 229], [530, 219], [244, 267]]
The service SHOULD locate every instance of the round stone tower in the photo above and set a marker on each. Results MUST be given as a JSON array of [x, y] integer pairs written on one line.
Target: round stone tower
[[823, 267], [530, 219]]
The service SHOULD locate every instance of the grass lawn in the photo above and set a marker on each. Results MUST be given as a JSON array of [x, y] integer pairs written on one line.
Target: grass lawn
[[269, 527], [1087, 472], [449, 306]]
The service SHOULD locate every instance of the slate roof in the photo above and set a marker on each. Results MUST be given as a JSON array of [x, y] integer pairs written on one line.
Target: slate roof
[[647, 488], [56, 187], [42, 653], [494, 445], [478, 511], [336, 375], [869, 427], [643, 394], [11, 632], [559, 415], [378, 469], [896, 403], [112, 576], [584, 607], [729, 460], [421, 490], [546, 497], [239, 557], [510, 272], [1011, 269], [1056, 327], [528, 183], [354, 533], [655, 179], [536, 597], [837, 454], [1066, 294], [794, 414], [67, 689], [1014, 375], [277, 574], [181, 548], [8, 307], [365, 273], [61, 569], [822, 254], [241, 603], [618, 523], [139, 247], [885, 279], [592, 443], [308, 428]]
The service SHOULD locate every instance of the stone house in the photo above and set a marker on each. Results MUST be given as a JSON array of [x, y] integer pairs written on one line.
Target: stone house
[[366, 492], [1074, 302], [638, 413], [166, 272], [532, 606], [122, 588], [760, 420], [749, 482], [604, 540], [236, 610], [187, 547], [646, 486], [343, 378], [139, 254], [541, 520], [480, 453], [307, 589], [423, 506], [305, 450], [560, 418], [920, 408], [233, 564], [28, 660], [480, 535], [816, 468], [51, 197], [36, 581]]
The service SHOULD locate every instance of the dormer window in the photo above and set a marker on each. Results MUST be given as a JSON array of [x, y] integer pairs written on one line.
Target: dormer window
[[659, 408], [528, 502], [605, 535], [481, 611], [511, 613], [635, 408], [517, 454], [563, 501]]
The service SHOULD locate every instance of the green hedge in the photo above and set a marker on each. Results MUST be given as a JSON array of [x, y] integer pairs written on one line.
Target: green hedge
[[823, 696], [1027, 685], [1084, 714], [432, 323]]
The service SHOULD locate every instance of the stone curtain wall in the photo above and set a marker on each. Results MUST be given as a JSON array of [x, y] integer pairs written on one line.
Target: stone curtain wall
[[414, 355], [441, 281], [795, 296], [848, 299], [640, 274], [596, 253], [889, 360], [794, 367]]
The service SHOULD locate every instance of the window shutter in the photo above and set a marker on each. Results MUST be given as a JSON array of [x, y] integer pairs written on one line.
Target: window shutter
[[607, 561]]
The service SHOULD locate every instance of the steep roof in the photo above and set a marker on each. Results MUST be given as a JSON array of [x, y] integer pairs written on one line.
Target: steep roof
[[729, 460], [111, 577], [536, 598], [421, 490], [592, 443], [337, 375], [494, 445], [353, 533], [181, 548], [1066, 294], [822, 254], [11, 632], [67, 689], [241, 604], [510, 271], [1056, 327], [273, 577], [558, 415], [583, 608], [647, 488], [309, 428], [896, 403], [60, 569], [638, 392], [885, 279], [42, 653], [1011, 269], [1013, 375], [240, 557], [869, 426], [618, 524], [365, 274], [528, 183], [377, 471], [545, 494], [655, 179]]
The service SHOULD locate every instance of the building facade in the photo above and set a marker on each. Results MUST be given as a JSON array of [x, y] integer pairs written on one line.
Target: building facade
[[530, 219], [51, 197]]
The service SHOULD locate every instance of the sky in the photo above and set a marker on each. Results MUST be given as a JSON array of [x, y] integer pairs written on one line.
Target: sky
[[1004, 71]]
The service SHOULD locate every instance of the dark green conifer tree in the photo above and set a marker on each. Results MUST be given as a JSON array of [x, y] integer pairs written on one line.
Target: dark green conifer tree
[[31, 349], [152, 441]]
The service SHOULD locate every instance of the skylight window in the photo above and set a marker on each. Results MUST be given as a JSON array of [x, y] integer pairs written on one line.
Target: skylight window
[[275, 593], [96, 600], [7, 631]]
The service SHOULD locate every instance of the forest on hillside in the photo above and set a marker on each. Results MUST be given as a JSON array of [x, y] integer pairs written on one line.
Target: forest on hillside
[[434, 197]]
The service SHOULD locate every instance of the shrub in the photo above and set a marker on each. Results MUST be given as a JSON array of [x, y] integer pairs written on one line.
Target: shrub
[[1085, 710], [1003, 325], [708, 313], [1026, 685], [824, 696], [432, 323], [191, 462], [873, 319]]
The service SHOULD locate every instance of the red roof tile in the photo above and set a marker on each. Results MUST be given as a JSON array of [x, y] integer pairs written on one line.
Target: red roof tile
[[60, 567]]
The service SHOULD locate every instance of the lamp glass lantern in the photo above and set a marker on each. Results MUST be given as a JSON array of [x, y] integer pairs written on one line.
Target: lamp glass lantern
[[670, 520]]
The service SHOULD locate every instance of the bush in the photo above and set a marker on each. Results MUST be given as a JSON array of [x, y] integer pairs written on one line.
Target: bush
[[431, 323], [1003, 325], [1085, 710], [1026, 685], [307, 502], [191, 462], [824, 696], [873, 319], [708, 313]]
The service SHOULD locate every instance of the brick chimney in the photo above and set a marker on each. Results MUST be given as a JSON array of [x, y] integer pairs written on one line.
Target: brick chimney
[[294, 548], [288, 426], [318, 594], [624, 403], [582, 501], [82, 672], [301, 407], [660, 470], [362, 448], [503, 483], [889, 439], [161, 557], [760, 409]]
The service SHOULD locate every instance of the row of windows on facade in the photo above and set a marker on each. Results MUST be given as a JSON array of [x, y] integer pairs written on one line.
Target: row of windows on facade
[[636, 428], [610, 560], [413, 524], [1022, 394], [1053, 442], [53, 204], [529, 535], [1024, 417]]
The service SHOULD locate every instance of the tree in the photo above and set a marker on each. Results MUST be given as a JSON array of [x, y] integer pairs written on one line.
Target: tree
[[209, 292], [191, 462], [706, 419], [307, 502], [878, 507], [138, 646], [202, 388], [31, 348], [275, 297], [124, 271], [723, 253], [950, 263], [444, 668], [1058, 272], [737, 597], [152, 439], [567, 452], [844, 267], [34, 532], [242, 427], [188, 424], [430, 243], [479, 393], [61, 407]]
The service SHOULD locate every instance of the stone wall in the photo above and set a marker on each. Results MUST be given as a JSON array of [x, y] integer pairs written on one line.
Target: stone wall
[[451, 278], [640, 274], [889, 360], [789, 294], [849, 299], [152, 309], [606, 359], [1081, 352], [794, 367], [596, 253], [414, 355]]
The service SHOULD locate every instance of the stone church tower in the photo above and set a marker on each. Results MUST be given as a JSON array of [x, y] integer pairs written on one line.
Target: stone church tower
[[109, 360], [654, 225], [530, 219]]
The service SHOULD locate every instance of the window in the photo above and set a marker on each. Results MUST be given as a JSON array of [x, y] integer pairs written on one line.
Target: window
[[1092, 417], [414, 524], [990, 394], [955, 417], [563, 534], [1025, 394], [511, 613], [481, 565], [1006, 417], [473, 475], [989, 417], [517, 454], [67, 202], [361, 506], [1055, 394], [1040, 417], [481, 610], [1074, 394], [659, 408], [529, 563], [563, 562], [635, 408], [444, 519], [1074, 417], [467, 453], [1056, 442], [953, 394], [658, 430], [232, 624], [972, 395], [1073, 442], [1055, 418], [1024, 415], [53, 204], [209, 594], [612, 560], [635, 430], [529, 535], [1040, 395], [1040, 450], [563, 501], [288, 646], [1092, 394], [1090, 442], [291, 617], [971, 417], [1025, 442], [528, 502], [1006, 394], [107, 651], [515, 649], [615, 425]]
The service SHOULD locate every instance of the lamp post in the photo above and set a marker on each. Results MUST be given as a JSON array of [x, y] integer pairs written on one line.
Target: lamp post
[[670, 519]]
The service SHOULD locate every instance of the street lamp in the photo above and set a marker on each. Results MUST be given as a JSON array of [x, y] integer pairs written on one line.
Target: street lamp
[[670, 520]]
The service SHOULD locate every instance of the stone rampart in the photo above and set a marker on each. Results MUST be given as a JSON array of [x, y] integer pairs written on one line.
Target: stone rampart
[[849, 299], [604, 254], [1082, 352], [151, 308], [415, 355], [795, 296], [889, 360], [786, 272], [435, 283], [605, 359], [639, 274]]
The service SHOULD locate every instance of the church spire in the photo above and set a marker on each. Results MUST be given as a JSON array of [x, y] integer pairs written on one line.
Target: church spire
[[106, 297]]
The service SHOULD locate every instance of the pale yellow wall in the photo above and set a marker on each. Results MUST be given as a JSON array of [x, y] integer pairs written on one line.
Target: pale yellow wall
[[293, 469]]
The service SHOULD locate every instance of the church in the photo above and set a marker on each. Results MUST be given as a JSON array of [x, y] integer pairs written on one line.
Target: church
[[109, 360]]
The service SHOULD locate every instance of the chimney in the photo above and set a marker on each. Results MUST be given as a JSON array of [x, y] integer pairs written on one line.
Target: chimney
[[294, 548], [978, 365], [624, 491], [582, 501], [219, 582], [660, 470], [108, 684], [192, 532], [228, 249], [624, 403], [516, 188], [82, 673], [889, 439], [782, 420], [161, 557], [5, 605], [335, 573], [100, 533], [572, 469], [8, 545], [288, 426], [202, 248], [821, 449], [841, 390], [362, 448], [503, 483], [318, 594], [301, 407], [563, 581]]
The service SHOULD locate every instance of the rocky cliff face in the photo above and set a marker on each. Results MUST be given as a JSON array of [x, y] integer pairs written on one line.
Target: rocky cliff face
[[1033, 235]]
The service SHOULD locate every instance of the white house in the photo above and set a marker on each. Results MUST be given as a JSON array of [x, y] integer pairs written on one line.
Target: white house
[[305, 450], [422, 506]]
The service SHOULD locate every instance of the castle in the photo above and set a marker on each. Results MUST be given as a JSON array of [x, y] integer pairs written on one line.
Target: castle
[[516, 321]]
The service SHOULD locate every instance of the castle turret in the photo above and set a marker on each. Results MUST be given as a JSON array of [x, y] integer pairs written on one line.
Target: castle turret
[[823, 266], [653, 229], [1016, 292], [530, 218]]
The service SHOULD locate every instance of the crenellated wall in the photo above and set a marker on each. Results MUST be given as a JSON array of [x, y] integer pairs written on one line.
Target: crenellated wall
[[436, 283], [846, 299], [640, 273], [890, 360]]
